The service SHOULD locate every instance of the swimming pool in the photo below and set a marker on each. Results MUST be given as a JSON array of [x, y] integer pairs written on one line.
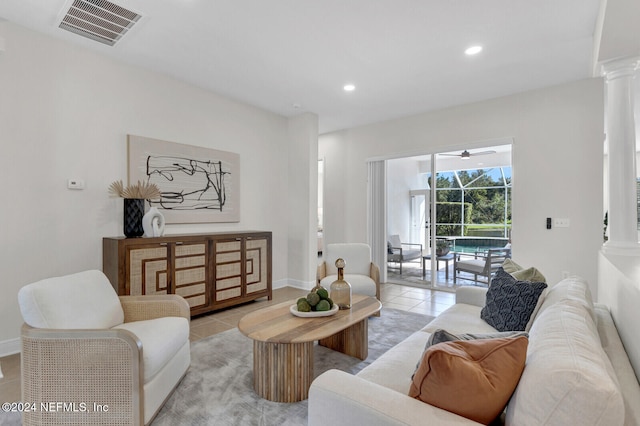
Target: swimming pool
[[472, 245]]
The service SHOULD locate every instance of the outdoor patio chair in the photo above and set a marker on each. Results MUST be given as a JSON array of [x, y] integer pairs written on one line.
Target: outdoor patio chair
[[483, 264], [399, 252]]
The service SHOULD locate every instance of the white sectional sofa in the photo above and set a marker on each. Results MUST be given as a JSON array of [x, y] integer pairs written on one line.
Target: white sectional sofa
[[576, 372]]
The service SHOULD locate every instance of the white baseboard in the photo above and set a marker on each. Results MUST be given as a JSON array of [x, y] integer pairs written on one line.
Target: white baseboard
[[10, 347], [304, 285]]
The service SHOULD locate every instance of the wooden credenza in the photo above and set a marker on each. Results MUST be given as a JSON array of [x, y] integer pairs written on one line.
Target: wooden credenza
[[211, 271]]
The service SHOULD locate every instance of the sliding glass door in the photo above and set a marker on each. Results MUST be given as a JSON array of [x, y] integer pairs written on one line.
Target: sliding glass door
[[458, 200]]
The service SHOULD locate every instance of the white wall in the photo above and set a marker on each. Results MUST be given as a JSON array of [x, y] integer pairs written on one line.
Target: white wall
[[619, 289], [557, 137], [65, 113], [335, 187], [402, 177], [302, 205]]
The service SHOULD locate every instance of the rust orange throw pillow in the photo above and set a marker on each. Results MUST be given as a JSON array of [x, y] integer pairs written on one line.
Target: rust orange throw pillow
[[472, 378]]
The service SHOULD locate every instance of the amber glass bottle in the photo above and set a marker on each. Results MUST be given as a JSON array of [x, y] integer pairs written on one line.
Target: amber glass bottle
[[340, 290]]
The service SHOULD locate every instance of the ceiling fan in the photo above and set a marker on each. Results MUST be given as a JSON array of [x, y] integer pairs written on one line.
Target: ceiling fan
[[465, 155]]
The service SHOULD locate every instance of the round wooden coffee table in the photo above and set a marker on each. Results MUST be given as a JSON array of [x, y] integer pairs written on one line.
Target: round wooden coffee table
[[283, 344]]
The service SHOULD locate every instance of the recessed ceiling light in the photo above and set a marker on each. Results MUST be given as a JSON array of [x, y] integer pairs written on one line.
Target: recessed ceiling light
[[349, 87], [473, 50]]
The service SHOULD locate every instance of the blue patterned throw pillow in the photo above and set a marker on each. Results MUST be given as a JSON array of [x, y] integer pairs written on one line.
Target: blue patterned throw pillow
[[510, 302]]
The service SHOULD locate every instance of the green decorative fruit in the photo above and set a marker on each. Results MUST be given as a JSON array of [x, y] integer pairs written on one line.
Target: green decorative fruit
[[313, 299], [323, 305], [302, 299], [328, 299], [303, 305], [323, 293]]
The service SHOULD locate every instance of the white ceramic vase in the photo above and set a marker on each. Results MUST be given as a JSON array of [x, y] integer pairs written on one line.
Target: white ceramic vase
[[153, 223]]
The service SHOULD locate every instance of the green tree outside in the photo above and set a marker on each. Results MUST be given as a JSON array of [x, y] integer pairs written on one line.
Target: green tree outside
[[487, 203]]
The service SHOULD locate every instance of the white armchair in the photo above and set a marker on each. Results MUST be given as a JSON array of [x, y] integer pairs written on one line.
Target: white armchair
[[360, 272], [83, 345]]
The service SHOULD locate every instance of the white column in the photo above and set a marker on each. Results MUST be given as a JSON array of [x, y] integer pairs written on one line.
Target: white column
[[302, 207], [621, 137], [376, 215]]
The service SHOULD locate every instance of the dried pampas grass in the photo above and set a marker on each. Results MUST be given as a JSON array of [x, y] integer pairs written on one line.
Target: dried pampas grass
[[142, 190]]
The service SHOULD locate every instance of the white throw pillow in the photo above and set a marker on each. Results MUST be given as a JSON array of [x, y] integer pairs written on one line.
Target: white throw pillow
[[568, 379], [572, 288]]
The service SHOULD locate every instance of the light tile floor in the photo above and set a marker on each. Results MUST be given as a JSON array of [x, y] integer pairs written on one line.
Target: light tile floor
[[412, 275], [413, 299]]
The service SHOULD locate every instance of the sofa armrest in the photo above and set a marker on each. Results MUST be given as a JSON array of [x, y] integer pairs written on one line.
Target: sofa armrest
[[613, 347], [338, 398], [140, 308], [95, 366], [471, 295]]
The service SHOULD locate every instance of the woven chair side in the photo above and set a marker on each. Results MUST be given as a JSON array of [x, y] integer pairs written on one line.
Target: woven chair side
[[321, 272], [140, 308], [374, 273], [82, 377]]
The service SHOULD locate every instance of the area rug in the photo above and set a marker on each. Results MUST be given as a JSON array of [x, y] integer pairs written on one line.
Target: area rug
[[218, 388]]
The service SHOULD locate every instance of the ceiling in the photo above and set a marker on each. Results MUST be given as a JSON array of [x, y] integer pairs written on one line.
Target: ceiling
[[293, 56]]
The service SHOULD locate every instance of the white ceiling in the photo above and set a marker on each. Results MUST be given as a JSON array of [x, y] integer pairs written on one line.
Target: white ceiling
[[404, 56]]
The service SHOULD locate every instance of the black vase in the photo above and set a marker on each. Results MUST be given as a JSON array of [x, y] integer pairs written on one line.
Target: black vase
[[133, 213]]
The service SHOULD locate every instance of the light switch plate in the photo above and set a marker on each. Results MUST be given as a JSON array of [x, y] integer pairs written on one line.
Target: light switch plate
[[75, 184]]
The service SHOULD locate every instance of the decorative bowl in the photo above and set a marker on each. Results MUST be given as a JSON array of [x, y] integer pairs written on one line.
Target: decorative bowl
[[313, 314]]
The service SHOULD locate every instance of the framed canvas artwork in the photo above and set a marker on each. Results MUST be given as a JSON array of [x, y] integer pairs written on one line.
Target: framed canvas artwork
[[197, 185]]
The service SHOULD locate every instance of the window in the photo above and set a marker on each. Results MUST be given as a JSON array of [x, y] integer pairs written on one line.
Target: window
[[473, 202]]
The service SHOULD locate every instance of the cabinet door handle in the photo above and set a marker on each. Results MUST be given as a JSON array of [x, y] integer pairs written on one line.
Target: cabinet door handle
[[163, 244], [179, 243], [238, 239]]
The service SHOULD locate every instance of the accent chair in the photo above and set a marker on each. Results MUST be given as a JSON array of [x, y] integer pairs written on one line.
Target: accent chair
[[359, 271], [82, 344]]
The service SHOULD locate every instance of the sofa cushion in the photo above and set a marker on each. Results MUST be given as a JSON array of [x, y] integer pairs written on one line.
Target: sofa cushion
[[510, 303], [161, 339], [440, 336], [510, 266], [526, 274], [360, 284], [460, 318], [568, 379], [573, 288], [474, 378], [529, 274], [444, 336], [522, 273], [394, 368], [82, 300], [474, 266]]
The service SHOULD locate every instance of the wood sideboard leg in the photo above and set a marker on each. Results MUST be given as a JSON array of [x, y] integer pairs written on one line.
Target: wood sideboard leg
[[282, 372], [353, 341]]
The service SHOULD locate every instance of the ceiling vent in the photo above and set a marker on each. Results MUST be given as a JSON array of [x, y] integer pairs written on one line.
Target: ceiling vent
[[99, 20]]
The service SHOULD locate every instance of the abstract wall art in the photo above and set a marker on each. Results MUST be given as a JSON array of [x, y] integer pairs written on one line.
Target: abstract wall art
[[197, 185]]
